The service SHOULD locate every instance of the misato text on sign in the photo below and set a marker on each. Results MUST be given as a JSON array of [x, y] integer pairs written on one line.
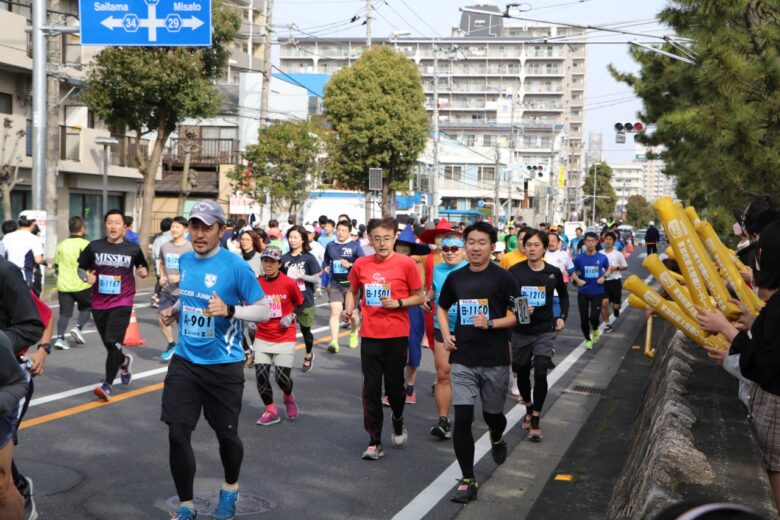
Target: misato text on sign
[[154, 23]]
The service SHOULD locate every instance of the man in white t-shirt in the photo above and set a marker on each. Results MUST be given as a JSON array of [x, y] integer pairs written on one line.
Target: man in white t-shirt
[[613, 285], [559, 258], [24, 249]]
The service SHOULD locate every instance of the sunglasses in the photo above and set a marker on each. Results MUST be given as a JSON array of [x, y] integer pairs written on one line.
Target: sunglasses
[[450, 249]]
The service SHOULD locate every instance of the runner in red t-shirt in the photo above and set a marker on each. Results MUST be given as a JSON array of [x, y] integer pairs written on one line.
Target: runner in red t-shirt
[[275, 340], [389, 283]]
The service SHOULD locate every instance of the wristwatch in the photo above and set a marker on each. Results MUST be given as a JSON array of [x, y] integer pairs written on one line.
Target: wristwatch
[[46, 347], [231, 310], [490, 324]]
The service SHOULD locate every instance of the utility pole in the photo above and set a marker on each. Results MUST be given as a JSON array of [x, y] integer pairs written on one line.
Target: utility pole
[[54, 54], [435, 176], [38, 105], [368, 24], [497, 193], [267, 16], [595, 173]]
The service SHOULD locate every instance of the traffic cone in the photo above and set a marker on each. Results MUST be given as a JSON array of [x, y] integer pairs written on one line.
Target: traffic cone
[[133, 335]]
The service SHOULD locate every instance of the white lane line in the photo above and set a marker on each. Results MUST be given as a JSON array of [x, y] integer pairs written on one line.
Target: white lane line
[[422, 504], [140, 375], [57, 305]]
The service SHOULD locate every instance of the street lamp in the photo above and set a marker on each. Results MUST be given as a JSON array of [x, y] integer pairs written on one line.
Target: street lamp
[[106, 141]]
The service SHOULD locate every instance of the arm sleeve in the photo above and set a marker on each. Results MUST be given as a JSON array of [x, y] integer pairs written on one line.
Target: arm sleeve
[[563, 294], [258, 312], [13, 385], [23, 324]]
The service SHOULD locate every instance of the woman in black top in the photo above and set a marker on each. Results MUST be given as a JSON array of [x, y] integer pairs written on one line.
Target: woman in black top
[[758, 343]]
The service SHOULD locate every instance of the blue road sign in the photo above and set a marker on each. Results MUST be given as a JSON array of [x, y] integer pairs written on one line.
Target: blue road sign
[[153, 23], [480, 203]]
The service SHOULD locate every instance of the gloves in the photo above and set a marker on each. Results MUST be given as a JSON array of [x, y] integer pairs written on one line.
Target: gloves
[[287, 320]]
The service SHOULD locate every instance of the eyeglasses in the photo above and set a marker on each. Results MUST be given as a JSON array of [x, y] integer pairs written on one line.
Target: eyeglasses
[[450, 249]]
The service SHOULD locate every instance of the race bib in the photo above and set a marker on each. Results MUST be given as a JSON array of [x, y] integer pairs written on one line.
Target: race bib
[[301, 285], [592, 271], [275, 303], [375, 291], [109, 284], [195, 323], [471, 308], [338, 267], [171, 261], [535, 295]]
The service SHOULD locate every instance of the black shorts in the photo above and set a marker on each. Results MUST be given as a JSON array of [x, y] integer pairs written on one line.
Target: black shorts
[[112, 324], [68, 299], [614, 290], [215, 389]]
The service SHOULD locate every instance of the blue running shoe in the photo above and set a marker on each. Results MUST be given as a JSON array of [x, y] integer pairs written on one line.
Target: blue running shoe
[[184, 513], [226, 509], [125, 371], [168, 354]]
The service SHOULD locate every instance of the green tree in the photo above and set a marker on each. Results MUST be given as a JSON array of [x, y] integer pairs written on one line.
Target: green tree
[[151, 89], [717, 119], [284, 162], [638, 211], [376, 108], [606, 198]]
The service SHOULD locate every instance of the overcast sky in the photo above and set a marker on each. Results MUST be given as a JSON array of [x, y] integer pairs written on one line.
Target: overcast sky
[[606, 101]]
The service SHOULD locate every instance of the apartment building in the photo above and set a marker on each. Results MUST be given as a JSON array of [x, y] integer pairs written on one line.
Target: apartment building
[[627, 180], [503, 88]]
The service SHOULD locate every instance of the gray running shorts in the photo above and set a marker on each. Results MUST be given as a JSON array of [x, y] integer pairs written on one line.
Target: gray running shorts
[[489, 383], [525, 347]]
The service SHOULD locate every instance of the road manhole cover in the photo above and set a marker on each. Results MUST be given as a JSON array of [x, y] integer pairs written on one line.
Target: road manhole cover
[[206, 503]]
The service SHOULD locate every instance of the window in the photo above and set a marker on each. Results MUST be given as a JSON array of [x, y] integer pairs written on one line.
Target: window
[[488, 140], [90, 208], [6, 103], [90, 119], [469, 140], [452, 173], [487, 173], [28, 140]]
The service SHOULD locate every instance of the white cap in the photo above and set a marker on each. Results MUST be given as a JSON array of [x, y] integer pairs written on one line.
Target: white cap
[[500, 247], [652, 223], [309, 228]]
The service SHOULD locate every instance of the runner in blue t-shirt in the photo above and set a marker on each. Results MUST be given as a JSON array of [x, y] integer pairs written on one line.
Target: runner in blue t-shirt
[[217, 290], [590, 272]]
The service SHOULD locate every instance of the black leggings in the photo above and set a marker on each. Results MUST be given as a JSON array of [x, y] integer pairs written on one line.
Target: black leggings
[[112, 325], [263, 377], [463, 439], [182, 457], [589, 319], [308, 338], [540, 384]]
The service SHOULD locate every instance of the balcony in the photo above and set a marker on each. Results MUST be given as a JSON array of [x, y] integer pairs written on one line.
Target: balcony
[[203, 151], [544, 71], [124, 153], [70, 143]]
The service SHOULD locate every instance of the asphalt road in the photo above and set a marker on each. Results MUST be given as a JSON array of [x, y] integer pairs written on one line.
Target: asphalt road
[[93, 460]]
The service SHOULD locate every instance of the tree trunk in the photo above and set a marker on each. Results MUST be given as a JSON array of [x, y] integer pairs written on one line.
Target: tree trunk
[[7, 211], [144, 231], [387, 205]]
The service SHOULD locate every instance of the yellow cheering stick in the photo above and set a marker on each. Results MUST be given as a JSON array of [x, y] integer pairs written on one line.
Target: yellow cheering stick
[[690, 212], [720, 255], [672, 313], [664, 276], [636, 302]]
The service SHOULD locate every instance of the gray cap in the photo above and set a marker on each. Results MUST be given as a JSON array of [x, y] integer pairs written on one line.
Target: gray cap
[[272, 252], [208, 212]]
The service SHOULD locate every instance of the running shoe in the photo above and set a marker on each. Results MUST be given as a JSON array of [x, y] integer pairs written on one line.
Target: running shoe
[[333, 347], [588, 344], [269, 417], [125, 371], [595, 335], [373, 452], [466, 491], [535, 433], [78, 337], [308, 362], [399, 436], [226, 509], [61, 343], [291, 407], [26, 490], [184, 513], [607, 328], [411, 398], [103, 391], [513, 386], [168, 354], [353, 339], [442, 429], [498, 450], [385, 401]]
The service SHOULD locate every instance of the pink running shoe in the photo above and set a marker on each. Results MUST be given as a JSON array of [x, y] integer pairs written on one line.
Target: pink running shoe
[[269, 417], [291, 407]]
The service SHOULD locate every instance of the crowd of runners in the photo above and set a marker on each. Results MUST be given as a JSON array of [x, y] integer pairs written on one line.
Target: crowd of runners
[[488, 303]]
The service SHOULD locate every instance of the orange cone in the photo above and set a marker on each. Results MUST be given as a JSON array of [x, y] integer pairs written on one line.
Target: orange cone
[[133, 335]]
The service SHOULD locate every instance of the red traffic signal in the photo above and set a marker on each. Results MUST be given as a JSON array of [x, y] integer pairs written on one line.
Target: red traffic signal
[[629, 127]]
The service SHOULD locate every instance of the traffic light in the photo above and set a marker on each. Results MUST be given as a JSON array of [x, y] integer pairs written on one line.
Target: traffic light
[[629, 127], [537, 168]]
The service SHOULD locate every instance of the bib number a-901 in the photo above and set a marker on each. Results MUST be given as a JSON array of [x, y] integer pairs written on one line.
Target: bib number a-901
[[195, 323]]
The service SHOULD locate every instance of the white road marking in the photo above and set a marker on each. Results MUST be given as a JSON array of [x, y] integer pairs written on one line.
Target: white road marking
[[423, 503]]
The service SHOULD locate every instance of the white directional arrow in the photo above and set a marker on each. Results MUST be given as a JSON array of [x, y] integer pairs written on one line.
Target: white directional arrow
[[112, 23], [193, 23]]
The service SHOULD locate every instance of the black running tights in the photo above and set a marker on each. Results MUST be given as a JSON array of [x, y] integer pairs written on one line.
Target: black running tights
[[263, 377], [182, 457], [589, 319], [540, 385], [463, 439], [308, 338]]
